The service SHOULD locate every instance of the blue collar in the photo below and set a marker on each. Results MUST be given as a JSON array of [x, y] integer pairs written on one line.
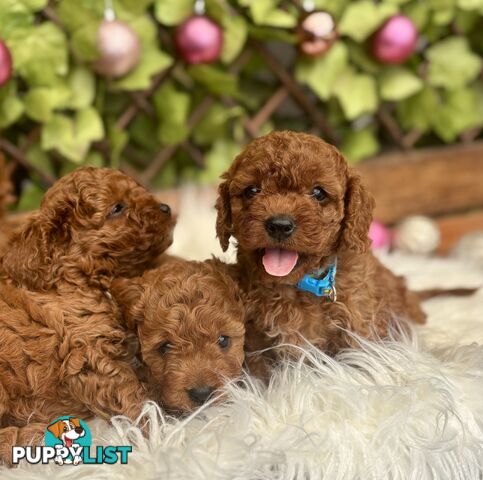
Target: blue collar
[[321, 287]]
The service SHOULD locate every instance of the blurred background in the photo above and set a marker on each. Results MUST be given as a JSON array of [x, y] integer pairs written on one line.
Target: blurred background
[[171, 90]]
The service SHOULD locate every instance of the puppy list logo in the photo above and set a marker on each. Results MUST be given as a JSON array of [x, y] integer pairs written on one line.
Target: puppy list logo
[[68, 441]]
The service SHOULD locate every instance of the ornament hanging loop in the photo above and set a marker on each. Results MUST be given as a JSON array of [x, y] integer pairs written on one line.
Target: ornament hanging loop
[[109, 13], [200, 7]]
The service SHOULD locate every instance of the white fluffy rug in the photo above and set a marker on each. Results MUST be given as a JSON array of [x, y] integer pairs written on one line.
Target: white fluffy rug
[[403, 410]]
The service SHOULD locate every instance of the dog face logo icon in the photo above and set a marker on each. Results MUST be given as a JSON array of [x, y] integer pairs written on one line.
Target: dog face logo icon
[[72, 434]]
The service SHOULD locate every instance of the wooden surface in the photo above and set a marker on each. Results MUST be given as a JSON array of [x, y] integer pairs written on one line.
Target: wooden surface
[[430, 181]]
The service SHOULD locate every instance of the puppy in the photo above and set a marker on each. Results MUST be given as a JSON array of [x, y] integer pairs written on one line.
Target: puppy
[[301, 218], [67, 431], [63, 348], [189, 320]]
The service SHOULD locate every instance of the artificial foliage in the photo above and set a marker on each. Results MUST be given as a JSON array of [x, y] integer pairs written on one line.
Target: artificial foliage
[[60, 114]]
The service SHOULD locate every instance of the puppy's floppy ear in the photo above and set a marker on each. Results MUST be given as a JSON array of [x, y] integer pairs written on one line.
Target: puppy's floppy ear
[[223, 219], [75, 421], [56, 428], [34, 254], [359, 205], [128, 294]]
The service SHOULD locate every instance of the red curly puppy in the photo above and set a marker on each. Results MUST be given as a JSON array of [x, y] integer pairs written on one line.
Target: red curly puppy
[[189, 320], [301, 218], [63, 349]]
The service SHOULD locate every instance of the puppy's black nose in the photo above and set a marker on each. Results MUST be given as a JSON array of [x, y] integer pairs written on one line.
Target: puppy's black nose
[[78, 430], [280, 227], [164, 208], [200, 395]]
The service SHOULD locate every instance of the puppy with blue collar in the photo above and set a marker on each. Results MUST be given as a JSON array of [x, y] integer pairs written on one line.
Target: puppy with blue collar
[[300, 217]]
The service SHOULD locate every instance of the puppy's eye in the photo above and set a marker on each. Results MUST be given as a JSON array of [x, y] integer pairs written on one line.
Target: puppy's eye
[[165, 348], [251, 191], [224, 341], [116, 210], [65, 428], [318, 193]]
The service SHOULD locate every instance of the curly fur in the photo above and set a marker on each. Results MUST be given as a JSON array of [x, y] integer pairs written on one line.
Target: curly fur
[[63, 349], [6, 197], [187, 305], [286, 166]]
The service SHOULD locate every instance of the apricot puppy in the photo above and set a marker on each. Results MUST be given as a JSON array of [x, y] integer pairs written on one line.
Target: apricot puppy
[[189, 321], [301, 218]]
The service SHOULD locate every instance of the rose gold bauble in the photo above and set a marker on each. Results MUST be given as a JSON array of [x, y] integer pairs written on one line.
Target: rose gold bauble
[[119, 48], [316, 33]]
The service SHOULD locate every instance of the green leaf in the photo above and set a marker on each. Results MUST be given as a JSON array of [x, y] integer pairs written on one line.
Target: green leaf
[[39, 53], [215, 80], [218, 159], [40, 102], [459, 113], [418, 13], [11, 109], [137, 7], [361, 18], [335, 7], [321, 74], [30, 199], [235, 35], [84, 40], [173, 107], [452, 64], [470, 4], [397, 83], [152, 62], [215, 123], [361, 57], [278, 18], [268, 33], [173, 12], [72, 137], [83, 88], [356, 93], [418, 111], [360, 144], [35, 5], [37, 157], [88, 125], [118, 139], [13, 15]]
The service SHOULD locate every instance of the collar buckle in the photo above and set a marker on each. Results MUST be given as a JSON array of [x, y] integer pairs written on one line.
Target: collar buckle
[[320, 287]]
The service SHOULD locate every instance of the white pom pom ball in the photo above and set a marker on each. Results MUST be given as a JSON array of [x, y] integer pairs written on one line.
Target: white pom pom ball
[[417, 234]]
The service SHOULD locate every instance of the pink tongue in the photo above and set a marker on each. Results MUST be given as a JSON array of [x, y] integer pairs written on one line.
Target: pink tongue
[[279, 262]]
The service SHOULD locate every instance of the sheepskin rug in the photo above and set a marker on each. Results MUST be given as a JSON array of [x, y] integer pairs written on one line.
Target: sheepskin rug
[[406, 409]]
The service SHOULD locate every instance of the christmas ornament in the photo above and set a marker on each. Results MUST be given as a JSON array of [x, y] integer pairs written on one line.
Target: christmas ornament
[[316, 32], [118, 45], [395, 41], [417, 234], [5, 64], [199, 39], [380, 235]]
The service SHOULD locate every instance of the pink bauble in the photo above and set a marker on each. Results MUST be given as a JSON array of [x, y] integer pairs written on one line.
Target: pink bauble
[[119, 48], [199, 40], [395, 41], [5, 64], [316, 33], [380, 235]]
